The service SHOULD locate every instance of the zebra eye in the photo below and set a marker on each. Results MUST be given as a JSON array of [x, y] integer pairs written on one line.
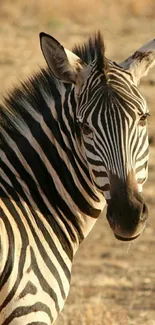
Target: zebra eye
[[86, 129], [143, 118]]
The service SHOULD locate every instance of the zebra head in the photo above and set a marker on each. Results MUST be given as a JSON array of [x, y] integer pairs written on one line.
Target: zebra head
[[112, 117]]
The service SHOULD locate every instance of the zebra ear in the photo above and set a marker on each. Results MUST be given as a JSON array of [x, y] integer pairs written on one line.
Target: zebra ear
[[64, 64], [141, 61]]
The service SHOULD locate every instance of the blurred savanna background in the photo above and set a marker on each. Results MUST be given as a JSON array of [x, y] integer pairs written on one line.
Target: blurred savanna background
[[113, 283]]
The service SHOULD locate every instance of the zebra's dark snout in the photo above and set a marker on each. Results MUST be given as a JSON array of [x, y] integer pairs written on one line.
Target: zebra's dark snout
[[126, 213], [127, 219]]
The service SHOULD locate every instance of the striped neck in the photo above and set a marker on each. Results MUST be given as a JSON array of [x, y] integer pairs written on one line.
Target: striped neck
[[42, 160]]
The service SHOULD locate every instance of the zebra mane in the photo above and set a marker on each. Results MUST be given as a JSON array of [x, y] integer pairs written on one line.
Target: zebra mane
[[92, 50], [30, 97]]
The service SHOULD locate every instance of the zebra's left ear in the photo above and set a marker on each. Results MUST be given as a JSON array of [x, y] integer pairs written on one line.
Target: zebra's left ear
[[64, 64], [141, 61]]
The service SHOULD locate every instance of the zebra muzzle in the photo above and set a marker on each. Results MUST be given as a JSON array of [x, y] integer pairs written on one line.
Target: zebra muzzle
[[127, 215], [127, 212], [127, 219]]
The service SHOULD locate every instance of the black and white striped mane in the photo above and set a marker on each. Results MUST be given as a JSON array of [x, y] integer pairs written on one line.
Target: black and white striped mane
[[93, 49], [30, 94]]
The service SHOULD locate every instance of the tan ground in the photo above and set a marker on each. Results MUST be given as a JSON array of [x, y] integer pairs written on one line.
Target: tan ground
[[113, 283]]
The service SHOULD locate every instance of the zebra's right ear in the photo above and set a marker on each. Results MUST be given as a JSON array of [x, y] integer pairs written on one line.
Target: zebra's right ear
[[64, 64]]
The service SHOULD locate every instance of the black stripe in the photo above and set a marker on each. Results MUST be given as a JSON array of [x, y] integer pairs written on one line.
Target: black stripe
[[141, 145], [25, 176], [49, 217], [49, 188], [11, 243], [138, 169], [37, 323], [144, 155], [30, 288], [45, 256], [47, 183], [25, 242], [143, 142], [100, 173], [21, 311], [43, 283], [60, 235], [13, 179]]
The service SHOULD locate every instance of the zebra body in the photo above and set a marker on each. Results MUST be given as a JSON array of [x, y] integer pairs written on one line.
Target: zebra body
[[53, 182]]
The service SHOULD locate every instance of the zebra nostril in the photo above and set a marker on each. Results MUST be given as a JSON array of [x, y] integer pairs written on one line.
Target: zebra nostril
[[144, 213], [144, 208]]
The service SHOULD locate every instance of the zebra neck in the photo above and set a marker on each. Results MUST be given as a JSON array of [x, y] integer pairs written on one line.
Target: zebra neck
[[41, 163]]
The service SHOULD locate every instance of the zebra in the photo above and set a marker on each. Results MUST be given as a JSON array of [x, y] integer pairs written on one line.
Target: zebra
[[73, 138]]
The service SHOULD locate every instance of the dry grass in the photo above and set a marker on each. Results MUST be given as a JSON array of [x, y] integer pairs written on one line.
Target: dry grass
[[19, 12], [88, 314]]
